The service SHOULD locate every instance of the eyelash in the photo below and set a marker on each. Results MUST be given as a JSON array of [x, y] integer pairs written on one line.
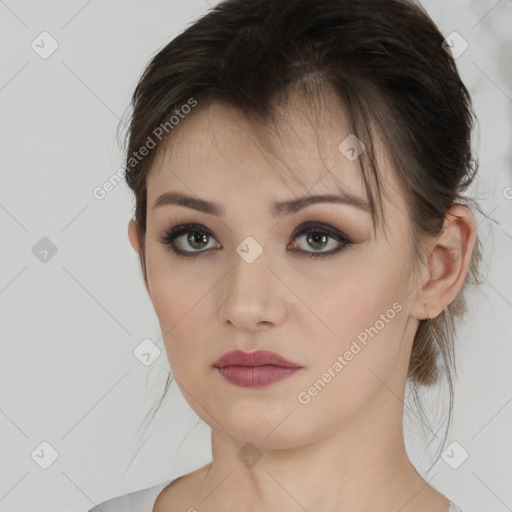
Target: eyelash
[[177, 230]]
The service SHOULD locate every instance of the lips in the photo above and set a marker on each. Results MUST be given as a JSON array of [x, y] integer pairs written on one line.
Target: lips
[[257, 358], [255, 369]]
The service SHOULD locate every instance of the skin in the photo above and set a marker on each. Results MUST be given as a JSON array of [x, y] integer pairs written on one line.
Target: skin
[[343, 450]]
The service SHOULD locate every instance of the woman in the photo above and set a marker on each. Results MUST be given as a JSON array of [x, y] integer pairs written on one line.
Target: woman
[[298, 168]]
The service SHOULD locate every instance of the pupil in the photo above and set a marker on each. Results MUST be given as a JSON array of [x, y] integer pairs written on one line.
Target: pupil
[[197, 237], [318, 238]]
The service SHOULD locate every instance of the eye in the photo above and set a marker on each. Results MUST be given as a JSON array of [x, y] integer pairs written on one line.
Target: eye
[[197, 237], [318, 236], [183, 237]]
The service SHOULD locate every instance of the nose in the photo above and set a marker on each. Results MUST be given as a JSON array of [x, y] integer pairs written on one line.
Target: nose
[[253, 297]]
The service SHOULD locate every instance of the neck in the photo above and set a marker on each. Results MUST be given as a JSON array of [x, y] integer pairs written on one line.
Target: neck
[[363, 465]]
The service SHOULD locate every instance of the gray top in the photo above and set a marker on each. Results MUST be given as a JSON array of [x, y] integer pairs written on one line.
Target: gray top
[[144, 500]]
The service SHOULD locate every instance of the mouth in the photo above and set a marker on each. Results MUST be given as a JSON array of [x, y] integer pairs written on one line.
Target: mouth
[[255, 369], [256, 376]]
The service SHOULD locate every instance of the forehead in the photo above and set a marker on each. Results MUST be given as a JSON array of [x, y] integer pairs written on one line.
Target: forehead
[[218, 153]]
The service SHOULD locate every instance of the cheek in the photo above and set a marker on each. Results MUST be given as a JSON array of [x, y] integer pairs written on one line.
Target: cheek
[[175, 290], [349, 372], [355, 301], [184, 314], [362, 321]]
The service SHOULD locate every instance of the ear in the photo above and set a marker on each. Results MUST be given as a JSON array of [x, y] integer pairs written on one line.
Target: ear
[[134, 236], [447, 264]]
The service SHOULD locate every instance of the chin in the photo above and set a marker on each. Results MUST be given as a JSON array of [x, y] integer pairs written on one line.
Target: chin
[[264, 430]]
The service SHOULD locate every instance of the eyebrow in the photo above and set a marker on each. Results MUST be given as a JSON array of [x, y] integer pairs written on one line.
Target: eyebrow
[[278, 208]]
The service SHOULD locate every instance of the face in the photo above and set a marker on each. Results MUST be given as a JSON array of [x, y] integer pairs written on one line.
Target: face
[[314, 285]]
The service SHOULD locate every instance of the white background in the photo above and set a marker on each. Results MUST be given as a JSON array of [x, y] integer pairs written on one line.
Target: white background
[[69, 326]]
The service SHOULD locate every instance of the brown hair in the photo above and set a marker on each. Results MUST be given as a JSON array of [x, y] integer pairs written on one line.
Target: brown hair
[[385, 62]]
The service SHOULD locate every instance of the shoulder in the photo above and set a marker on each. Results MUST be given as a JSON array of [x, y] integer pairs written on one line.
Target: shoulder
[[137, 501]]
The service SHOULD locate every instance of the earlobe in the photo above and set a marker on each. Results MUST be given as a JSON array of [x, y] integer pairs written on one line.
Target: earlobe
[[447, 263]]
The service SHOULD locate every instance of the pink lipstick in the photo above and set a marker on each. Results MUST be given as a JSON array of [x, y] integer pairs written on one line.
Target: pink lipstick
[[255, 369]]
